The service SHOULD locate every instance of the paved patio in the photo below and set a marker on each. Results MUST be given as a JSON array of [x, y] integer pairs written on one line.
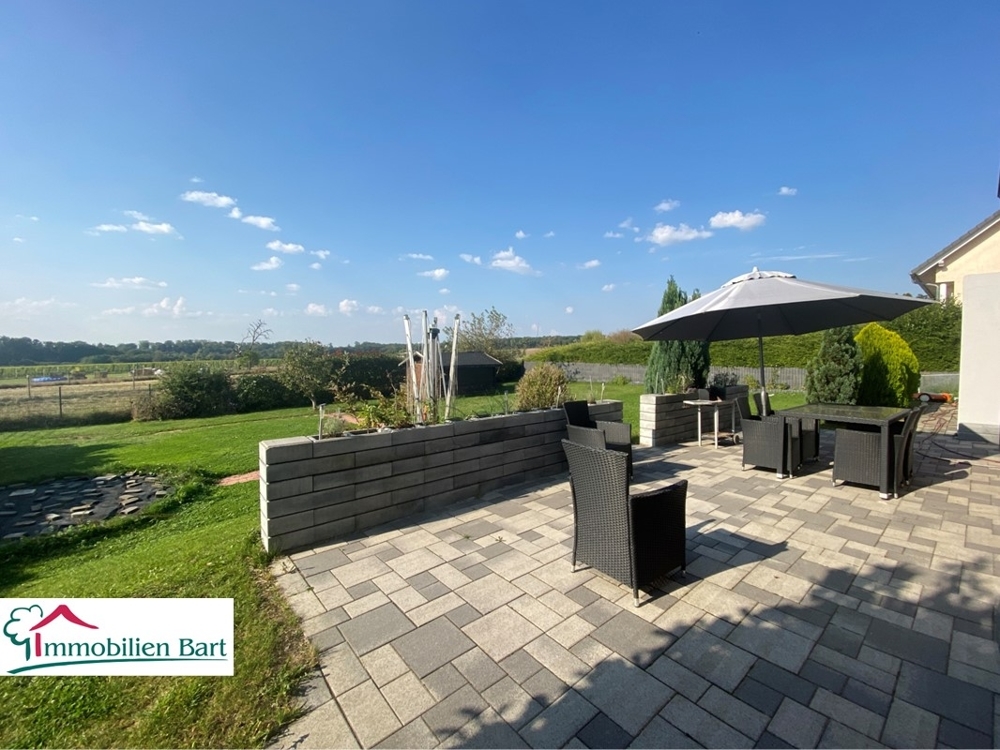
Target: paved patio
[[811, 616]]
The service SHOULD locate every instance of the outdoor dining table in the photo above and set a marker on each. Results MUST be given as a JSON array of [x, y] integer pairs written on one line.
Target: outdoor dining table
[[700, 402], [882, 417]]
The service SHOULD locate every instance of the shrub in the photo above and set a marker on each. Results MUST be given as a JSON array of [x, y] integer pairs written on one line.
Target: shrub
[[192, 391], [834, 374], [510, 371], [260, 392], [890, 374], [542, 387], [619, 380]]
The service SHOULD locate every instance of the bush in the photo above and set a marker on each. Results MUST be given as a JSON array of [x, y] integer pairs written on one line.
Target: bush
[[191, 391], [834, 374], [261, 392], [510, 371], [890, 374], [542, 387]]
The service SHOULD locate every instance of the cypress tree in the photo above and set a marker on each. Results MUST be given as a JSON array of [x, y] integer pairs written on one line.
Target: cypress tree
[[669, 361], [834, 374]]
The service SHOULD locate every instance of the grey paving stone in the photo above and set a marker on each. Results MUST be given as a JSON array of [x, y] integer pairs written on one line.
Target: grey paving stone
[[509, 700], [660, 733], [707, 729], [322, 727], [950, 698], [910, 726], [454, 712], [739, 715], [796, 724], [867, 696], [342, 669], [324, 561], [431, 646], [501, 632], [602, 732], [375, 628], [836, 735], [558, 723], [768, 740], [479, 669], [978, 652], [627, 694], [520, 665], [557, 659], [544, 687], [638, 641], [326, 639], [844, 641], [678, 677], [868, 674], [444, 681], [361, 590], [712, 658], [585, 596], [848, 713], [369, 714], [598, 612], [907, 644], [414, 735], [487, 730], [768, 641], [463, 615], [955, 735], [760, 696], [407, 697]]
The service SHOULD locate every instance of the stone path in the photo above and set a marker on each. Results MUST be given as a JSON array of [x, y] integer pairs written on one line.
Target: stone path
[[55, 505], [811, 616]]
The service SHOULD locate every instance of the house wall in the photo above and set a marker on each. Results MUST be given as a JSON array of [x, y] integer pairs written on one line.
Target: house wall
[[982, 257], [979, 396]]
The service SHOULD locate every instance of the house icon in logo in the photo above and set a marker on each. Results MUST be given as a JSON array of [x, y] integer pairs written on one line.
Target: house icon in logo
[[61, 611]]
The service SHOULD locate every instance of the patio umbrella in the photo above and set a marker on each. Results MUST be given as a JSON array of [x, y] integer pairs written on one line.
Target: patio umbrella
[[773, 303]]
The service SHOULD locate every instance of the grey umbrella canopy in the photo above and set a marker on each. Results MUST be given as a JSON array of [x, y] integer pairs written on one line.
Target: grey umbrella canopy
[[773, 303]]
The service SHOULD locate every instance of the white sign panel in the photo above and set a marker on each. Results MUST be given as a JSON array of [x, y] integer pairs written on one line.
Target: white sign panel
[[116, 637]]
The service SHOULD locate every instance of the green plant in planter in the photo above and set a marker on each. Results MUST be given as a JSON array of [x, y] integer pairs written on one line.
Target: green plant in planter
[[335, 427]]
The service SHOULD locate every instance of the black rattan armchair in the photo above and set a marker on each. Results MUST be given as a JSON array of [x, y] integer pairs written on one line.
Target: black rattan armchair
[[857, 455], [617, 435], [634, 539], [767, 441]]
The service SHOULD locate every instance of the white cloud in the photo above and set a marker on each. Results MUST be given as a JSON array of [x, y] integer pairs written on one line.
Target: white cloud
[[119, 311], [737, 220], [815, 256], [613, 235], [292, 288], [133, 282], [521, 234], [22, 216], [317, 310], [268, 265], [235, 213], [474, 259], [147, 228], [262, 222], [285, 247], [667, 204], [569, 310], [176, 309], [590, 264], [321, 254], [627, 224], [445, 290], [271, 312], [315, 266], [100, 228], [608, 288], [783, 190], [348, 306], [508, 260], [437, 274], [665, 234], [23, 308], [549, 234], [212, 200], [137, 215], [374, 310], [18, 239], [445, 315], [418, 256], [196, 180]]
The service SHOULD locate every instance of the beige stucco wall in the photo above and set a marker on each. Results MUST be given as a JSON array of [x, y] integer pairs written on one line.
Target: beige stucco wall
[[978, 394], [983, 256]]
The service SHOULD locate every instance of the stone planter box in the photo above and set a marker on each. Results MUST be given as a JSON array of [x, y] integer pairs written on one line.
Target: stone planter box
[[665, 419], [316, 490]]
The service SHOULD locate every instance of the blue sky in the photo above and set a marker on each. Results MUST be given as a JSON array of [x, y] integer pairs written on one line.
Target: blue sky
[[178, 170]]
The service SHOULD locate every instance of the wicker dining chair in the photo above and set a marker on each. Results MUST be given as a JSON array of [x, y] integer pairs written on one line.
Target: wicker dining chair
[[903, 449], [767, 441], [634, 539], [857, 455], [617, 435]]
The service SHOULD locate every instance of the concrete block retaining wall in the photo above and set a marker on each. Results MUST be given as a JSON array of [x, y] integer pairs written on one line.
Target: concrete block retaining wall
[[665, 418], [316, 490]]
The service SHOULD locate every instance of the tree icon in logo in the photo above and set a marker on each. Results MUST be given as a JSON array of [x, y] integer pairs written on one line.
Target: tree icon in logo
[[18, 627]]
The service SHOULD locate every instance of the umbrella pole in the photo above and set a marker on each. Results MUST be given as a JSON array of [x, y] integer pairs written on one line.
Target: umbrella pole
[[763, 380]]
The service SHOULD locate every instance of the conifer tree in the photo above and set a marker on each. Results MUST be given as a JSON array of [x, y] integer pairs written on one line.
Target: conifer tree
[[671, 362], [834, 374]]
